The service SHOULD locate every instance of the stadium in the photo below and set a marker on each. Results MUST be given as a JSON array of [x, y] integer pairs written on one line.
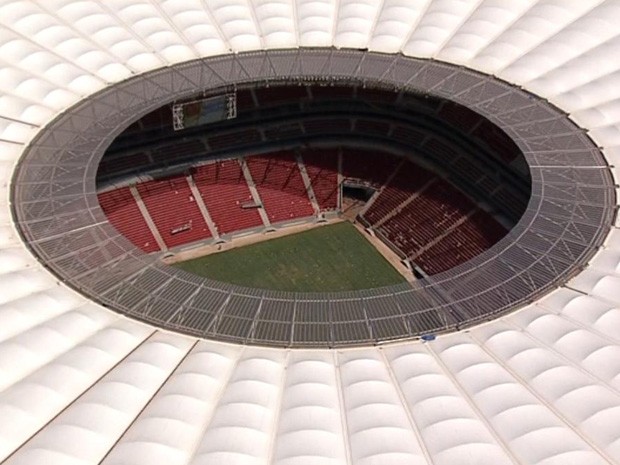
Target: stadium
[[439, 179]]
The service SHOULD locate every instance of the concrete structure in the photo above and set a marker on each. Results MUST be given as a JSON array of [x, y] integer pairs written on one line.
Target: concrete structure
[[81, 384]]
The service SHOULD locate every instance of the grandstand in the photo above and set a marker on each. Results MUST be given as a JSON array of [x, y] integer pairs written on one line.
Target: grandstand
[[122, 210], [423, 189], [412, 210], [109, 356], [279, 184], [225, 192], [174, 211], [458, 212], [322, 169]]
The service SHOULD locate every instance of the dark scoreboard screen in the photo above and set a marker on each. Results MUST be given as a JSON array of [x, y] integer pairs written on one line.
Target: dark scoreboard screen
[[205, 111]]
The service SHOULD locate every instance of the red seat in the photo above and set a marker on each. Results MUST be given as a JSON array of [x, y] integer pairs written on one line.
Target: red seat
[[322, 168], [123, 212], [174, 210], [280, 186], [224, 191]]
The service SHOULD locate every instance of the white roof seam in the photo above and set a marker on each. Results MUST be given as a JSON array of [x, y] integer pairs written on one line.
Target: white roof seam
[[543, 401], [85, 334], [52, 52], [335, 18], [343, 416], [180, 33], [135, 35], [375, 20], [15, 120], [571, 61], [414, 26], [295, 21], [577, 85], [256, 23], [153, 396], [525, 52], [216, 25], [591, 295], [500, 32], [216, 402], [403, 401], [276, 419], [440, 46], [472, 404], [85, 37], [50, 420], [550, 348]]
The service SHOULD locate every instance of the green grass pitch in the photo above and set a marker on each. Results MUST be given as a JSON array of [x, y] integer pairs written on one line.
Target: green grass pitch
[[325, 259]]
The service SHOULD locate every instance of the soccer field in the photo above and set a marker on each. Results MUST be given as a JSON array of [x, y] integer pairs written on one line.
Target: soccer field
[[324, 259]]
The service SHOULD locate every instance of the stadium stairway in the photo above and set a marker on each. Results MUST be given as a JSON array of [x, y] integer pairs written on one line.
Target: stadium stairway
[[254, 192], [147, 218], [307, 183], [380, 191], [281, 187], [403, 204], [443, 234], [203, 208]]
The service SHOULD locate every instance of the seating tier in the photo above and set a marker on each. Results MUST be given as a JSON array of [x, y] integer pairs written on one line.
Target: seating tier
[[474, 236], [174, 210], [322, 168], [225, 192], [408, 180], [280, 186], [122, 210], [424, 219]]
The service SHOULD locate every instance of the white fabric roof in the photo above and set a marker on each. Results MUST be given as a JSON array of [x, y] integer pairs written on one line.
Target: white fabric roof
[[82, 385]]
